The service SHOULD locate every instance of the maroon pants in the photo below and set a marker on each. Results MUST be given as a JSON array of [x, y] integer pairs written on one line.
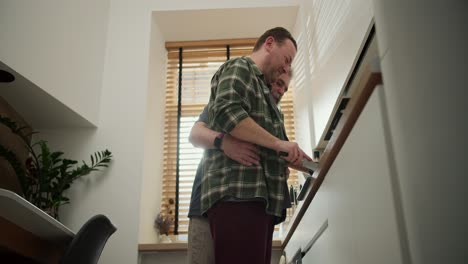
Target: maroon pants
[[242, 233]]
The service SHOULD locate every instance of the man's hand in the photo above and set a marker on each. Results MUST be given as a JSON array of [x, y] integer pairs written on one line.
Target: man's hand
[[295, 153], [241, 151]]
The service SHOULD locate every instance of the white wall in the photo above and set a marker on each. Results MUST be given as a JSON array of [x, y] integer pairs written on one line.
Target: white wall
[[424, 61], [122, 109], [59, 46], [330, 35], [304, 118], [154, 137]]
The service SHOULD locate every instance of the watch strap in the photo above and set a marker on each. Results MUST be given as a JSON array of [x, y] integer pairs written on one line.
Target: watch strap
[[218, 140]]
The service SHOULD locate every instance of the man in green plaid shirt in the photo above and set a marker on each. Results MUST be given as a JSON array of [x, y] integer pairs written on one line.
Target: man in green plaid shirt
[[244, 203]]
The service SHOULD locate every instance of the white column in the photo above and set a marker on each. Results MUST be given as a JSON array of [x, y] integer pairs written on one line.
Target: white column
[[423, 45]]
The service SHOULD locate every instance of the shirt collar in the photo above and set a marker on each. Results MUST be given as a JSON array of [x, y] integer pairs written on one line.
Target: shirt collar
[[257, 71], [266, 87]]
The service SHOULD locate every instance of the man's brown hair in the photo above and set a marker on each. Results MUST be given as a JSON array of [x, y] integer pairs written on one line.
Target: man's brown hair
[[280, 34]]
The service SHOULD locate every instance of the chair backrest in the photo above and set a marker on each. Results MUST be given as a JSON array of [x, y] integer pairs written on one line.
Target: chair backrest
[[87, 245]]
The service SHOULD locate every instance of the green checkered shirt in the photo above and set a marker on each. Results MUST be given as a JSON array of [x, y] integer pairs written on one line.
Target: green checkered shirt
[[238, 91]]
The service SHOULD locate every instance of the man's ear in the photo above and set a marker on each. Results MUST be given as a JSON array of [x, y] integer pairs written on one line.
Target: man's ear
[[269, 43]]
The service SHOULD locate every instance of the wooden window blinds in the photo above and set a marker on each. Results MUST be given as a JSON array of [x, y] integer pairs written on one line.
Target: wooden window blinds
[[192, 64]]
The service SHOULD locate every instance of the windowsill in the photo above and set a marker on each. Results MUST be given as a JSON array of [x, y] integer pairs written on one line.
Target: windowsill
[[162, 247], [180, 246]]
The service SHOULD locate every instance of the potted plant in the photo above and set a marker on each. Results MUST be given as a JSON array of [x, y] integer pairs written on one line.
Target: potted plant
[[46, 175], [163, 222]]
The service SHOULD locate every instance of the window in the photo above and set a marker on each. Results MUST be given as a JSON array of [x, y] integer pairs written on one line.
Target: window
[[194, 64]]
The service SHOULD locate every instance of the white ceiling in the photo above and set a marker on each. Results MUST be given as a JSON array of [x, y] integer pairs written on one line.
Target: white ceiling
[[186, 25]]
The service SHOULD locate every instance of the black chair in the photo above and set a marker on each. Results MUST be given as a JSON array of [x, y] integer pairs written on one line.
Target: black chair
[[87, 245]]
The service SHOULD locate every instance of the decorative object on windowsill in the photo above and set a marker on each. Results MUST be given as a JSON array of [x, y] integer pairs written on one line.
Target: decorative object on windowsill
[[164, 221], [46, 175]]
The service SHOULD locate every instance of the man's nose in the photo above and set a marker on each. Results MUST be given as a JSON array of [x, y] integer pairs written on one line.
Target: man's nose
[[286, 68]]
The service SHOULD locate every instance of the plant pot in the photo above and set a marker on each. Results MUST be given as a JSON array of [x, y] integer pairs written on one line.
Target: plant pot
[[164, 238]]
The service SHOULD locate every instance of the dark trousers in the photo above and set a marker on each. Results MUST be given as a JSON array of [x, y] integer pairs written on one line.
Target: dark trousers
[[242, 233]]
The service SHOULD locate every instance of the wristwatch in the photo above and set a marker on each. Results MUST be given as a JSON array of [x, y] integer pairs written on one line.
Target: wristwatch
[[218, 140]]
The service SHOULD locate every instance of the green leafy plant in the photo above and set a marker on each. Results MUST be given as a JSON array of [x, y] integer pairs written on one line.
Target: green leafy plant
[[46, 174]]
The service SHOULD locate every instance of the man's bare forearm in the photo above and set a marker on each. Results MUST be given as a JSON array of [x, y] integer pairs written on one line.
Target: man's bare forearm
[[201, 136], [248, 130], [240, 151]]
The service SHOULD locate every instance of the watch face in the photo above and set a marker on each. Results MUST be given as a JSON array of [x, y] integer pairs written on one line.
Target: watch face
[[218, 140]]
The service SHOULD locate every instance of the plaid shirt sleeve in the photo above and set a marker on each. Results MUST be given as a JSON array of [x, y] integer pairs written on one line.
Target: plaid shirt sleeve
[[231, 90]]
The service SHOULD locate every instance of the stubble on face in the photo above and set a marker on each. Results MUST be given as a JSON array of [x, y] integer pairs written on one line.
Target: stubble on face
[[280, 60]]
